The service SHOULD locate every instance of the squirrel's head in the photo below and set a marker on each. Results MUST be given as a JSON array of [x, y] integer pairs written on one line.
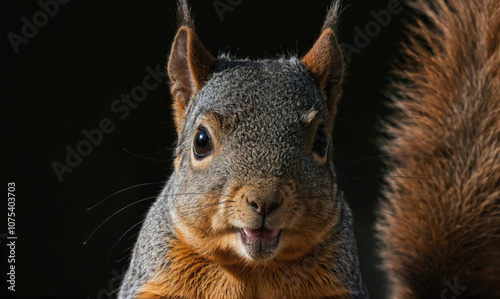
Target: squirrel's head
[[254, 177]]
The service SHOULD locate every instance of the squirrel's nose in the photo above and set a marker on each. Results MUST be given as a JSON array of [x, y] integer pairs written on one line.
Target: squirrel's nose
[[264, 206]]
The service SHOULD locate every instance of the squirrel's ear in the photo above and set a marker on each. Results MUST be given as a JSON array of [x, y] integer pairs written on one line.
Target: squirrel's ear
[[325, 63], [189, 65]]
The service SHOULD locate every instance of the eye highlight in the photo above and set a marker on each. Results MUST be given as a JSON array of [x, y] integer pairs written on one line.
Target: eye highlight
[[202, 144], [320, 141]]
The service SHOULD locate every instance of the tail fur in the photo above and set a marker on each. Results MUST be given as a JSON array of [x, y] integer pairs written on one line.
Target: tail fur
[[439, 225]]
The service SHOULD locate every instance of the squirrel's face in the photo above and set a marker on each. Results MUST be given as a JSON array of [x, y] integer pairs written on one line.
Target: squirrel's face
[[254, 177], [254, 163]]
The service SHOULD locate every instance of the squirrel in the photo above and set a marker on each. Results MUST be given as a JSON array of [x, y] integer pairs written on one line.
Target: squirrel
[[439, 225], [252, 208]]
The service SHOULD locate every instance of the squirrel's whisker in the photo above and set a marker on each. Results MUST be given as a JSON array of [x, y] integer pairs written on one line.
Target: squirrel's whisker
[[370, 158], [122, 236], [112, 215], [398, 198], [123, 190], [384, 175], [143, 157], [197, 193], [201, 208]]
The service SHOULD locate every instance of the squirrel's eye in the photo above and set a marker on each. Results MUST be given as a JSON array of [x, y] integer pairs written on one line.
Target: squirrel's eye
[[202, 144], [320, 141]]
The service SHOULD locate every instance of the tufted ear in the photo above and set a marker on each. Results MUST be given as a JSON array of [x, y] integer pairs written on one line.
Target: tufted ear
[[189, 65], [325, 63]]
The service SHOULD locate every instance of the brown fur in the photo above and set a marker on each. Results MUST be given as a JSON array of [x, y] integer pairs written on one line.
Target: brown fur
[[441, 221], [325, 63], [196, 63]]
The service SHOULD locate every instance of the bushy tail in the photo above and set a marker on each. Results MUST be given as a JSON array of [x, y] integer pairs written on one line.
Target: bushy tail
[[439, 225]]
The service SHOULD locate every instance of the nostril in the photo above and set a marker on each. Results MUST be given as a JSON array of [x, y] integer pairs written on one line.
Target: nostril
[[274, 206], [255, 206], [264, 207]]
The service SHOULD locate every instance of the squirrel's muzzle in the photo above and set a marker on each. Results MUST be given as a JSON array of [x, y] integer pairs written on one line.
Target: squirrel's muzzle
[[264, 205]]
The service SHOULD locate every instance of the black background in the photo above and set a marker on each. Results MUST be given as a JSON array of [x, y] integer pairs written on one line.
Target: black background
[[65, 79]]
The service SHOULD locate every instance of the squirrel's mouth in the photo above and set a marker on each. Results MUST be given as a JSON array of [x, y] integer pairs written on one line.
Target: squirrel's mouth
[[252, 234], [260, 243]]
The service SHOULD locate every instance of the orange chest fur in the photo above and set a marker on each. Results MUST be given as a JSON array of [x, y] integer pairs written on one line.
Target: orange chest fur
[[190, 275]]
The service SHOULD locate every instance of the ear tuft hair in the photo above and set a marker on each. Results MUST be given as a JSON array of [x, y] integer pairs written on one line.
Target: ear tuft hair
[[332, 16], [184, 14]]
